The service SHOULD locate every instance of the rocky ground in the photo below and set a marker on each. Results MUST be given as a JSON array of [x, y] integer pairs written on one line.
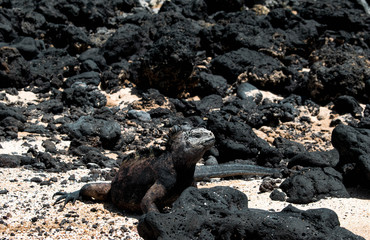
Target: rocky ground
[[85, 85], [26, 194]]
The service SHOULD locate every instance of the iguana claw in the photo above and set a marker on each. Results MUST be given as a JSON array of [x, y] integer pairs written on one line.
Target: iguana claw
[[68, 197]]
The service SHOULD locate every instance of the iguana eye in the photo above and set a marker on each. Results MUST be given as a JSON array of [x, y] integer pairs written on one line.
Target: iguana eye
[[198, 135]]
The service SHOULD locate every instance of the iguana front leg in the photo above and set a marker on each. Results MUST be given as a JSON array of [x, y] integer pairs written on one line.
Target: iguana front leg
[[156, 192], [96, 191]]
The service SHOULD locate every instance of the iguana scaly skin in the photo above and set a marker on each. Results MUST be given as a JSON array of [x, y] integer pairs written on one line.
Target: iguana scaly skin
[[149, 184], [232, 169]]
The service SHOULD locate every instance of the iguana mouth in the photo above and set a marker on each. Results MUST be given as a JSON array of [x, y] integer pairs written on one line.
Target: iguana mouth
[[209, 141]]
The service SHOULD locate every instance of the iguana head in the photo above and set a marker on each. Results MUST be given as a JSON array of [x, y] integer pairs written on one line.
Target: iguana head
[[189, 145]]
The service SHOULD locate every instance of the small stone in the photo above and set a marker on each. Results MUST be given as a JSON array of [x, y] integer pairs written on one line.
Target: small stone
[[277, 195], [139, 115], [4, 191], [36, 180]]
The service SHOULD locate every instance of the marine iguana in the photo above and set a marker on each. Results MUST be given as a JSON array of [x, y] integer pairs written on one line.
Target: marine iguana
[[149, 184]]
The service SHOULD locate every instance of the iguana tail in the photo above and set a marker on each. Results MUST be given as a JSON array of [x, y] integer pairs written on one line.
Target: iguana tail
[[229, 170]]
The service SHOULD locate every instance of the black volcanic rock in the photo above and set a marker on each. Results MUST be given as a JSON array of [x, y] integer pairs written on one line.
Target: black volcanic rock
[[88, 78], [353, 147], [210, 84], [28, 47], [223, 213], [14, 112], [347, 104], [236, 140], [80, 94], [169, 62], [288, 148], [195, 9], [338, 70], [312, 184], [315, 159], [51, 106], [14, 69], [126, 41], [99, 159], [10, 161], [257, 66], [224, 5], [335, 15], [50, 69], [107, 131], [209, 103]]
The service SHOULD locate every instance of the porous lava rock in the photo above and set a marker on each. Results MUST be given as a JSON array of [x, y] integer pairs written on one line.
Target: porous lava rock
[[14, 69], [223, 213], [169, 62], [127, 40], [210, 84], [258, 67], [236, 140], [315, 159], [108, 132], [312, 184], [83, 95], [353, 147], [288, 148], [50, 68], [347, 104], [338, 70]]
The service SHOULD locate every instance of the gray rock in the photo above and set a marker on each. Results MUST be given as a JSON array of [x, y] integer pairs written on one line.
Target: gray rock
[[139, 115], [247, 90]]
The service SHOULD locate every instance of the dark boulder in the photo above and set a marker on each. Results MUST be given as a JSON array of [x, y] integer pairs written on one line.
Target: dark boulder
[[50, 69], [11, 121], [353, 147], [98, 158], [14, 69], [69, 37], [49, 146], [312, 184], [261, 70], [289, 148], [347, 104], [338, 70], [209, 103], [169, 62], [223, 213], [88, 78], [210, 84], [14, 112], [265, 114], [315, 159], [10, 161], [335, 14], [195, 9], [7, 30], [115, 75], [236, 140], [107, 131], [93, 54], [28, 47], [51, 106], [128, 40], [80, 94], [139, 115]]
